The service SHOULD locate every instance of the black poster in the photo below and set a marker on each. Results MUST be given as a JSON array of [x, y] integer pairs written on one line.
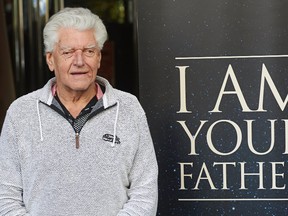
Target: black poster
[[213, 82]]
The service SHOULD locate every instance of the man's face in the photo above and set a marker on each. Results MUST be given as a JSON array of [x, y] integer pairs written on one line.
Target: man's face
[[75, 60]]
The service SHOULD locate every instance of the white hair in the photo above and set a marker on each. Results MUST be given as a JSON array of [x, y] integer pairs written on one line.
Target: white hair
[[77, 18]]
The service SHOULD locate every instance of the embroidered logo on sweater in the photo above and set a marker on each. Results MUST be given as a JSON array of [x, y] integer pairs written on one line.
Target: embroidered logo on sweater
[[110, 137]]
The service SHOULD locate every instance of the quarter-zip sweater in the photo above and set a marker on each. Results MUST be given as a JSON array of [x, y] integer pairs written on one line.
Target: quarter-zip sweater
[[113, 172]]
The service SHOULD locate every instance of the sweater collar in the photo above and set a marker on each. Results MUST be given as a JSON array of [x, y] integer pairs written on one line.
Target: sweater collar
[[99, 91], [47, 92]]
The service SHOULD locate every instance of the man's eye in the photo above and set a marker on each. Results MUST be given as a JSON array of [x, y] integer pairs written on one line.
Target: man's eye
[[67, 53], [89, 52]]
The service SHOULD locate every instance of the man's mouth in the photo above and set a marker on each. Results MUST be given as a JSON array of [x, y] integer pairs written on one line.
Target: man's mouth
[[78, 73]]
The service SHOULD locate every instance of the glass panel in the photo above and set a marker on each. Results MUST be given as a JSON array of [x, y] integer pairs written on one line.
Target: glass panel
[[109, 10], [25, 23]]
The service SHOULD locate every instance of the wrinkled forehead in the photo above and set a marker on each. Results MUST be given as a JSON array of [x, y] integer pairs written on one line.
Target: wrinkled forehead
[[73, 38], [71, 47]]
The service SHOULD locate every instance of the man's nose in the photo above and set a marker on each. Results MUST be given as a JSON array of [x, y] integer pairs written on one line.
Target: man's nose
[[78, 58]]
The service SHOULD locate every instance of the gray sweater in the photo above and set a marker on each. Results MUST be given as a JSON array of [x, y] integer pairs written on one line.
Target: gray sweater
[[42, 173]]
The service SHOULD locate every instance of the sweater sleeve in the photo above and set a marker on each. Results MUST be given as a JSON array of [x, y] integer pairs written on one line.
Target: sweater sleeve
[[143, 191], [11, 201]]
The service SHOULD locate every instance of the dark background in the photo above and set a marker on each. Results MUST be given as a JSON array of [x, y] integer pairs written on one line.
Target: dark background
[[199, 28]]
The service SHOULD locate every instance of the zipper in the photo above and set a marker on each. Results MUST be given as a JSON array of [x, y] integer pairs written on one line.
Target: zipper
[[77, 137]]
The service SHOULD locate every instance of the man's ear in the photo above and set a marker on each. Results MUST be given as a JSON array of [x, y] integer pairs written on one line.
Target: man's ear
[[49, 61], [99, 59]]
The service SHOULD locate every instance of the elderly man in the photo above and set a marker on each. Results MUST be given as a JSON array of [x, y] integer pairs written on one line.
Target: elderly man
[[77, 146]]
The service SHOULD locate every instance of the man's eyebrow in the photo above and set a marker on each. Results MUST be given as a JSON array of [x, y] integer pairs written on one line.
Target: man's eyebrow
[[65, 47], [71, 48], [91, 46]]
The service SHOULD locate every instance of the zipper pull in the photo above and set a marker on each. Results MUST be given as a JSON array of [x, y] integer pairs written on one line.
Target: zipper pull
[[77, 136]]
